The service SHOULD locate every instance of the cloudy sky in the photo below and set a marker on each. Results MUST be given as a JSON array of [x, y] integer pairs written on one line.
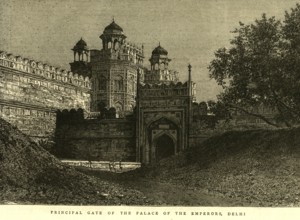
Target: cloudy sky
[[191, 30]]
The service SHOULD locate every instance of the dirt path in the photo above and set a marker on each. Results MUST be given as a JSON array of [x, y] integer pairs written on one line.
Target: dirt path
[[170, 194], [164, 193]]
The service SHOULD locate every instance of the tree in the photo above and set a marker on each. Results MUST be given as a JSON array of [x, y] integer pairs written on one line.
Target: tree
[[261, 68], [203, 108], [219, 110]]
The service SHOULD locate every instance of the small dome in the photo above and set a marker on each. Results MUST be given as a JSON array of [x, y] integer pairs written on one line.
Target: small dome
[[113, 27], [159, 51], [81, 45]]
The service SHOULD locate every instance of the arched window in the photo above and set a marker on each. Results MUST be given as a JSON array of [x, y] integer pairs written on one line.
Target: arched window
[[118, 84], [102, 83], [118, 107], [162, 66], [116, 44], [109, 45], [131, 107], [156, 66]]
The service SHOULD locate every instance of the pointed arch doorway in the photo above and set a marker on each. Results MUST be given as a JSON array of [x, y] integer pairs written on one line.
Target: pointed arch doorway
[[162, 140], [164, 147]]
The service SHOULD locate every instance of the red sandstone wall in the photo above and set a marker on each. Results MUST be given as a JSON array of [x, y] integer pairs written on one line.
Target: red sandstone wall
[[99, 140], [31, 92]]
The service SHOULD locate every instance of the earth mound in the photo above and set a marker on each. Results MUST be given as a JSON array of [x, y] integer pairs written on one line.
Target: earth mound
[[30, 175], [251, 168]]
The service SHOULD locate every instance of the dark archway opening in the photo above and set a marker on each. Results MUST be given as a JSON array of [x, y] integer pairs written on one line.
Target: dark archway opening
[[164, 147]]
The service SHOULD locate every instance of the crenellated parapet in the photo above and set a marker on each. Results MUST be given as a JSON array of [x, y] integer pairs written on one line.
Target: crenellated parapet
[[163, 90], [161, 76], [31, 92], [126, 52], [43, 70], [133, 51]]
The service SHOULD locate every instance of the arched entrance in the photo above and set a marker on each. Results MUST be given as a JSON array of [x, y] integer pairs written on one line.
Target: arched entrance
[[164, 147], [161, 140]]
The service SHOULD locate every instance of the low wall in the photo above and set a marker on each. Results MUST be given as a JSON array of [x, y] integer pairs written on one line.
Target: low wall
[[104, 165], [99, 140]]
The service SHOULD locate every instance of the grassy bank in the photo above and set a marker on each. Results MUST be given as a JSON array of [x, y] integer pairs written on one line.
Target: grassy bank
[[256, 168]]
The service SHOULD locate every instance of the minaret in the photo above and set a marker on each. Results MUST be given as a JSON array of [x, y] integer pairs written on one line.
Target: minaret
[[137, 116], [190, 100], [192, 85], [190, 79]]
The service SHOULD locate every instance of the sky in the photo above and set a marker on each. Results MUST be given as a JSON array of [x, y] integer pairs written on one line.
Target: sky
[[190, 30]]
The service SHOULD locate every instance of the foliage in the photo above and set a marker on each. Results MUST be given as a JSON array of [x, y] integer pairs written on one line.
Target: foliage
[[261, 68], [219, 110]]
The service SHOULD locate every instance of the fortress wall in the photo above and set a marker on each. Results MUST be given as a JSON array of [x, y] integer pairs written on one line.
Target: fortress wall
[[97, 140], [32, 92], [39, 123]]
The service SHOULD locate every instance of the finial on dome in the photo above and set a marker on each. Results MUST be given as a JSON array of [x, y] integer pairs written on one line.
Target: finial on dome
[[113, 20], [158, 43], [190, 72]]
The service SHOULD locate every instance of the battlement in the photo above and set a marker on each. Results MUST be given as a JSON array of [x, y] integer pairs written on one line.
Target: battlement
[[69, 116], [157, 76], [126, 52], [163, 90], [31, 90], [133, 48], [43, 70]]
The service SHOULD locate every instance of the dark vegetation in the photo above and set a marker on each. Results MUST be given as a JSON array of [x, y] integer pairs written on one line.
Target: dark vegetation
[[261, 68]]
